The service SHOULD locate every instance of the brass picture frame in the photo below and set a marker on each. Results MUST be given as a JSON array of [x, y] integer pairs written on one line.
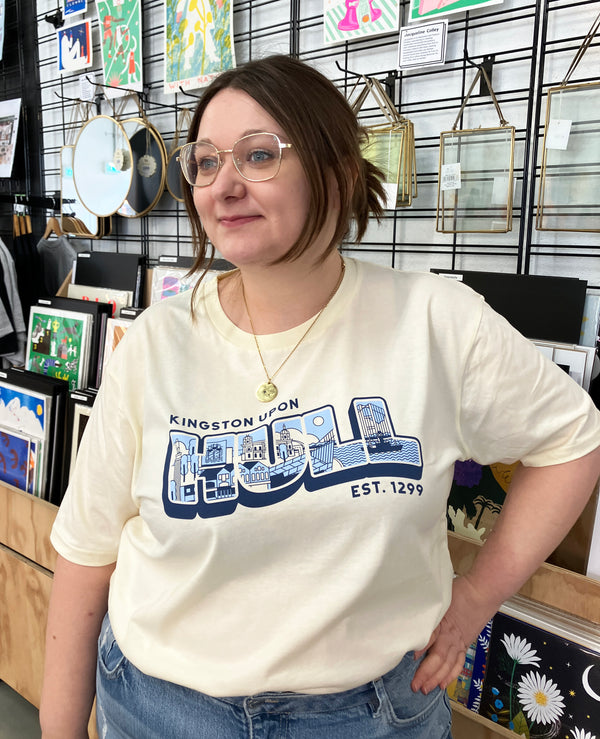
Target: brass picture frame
[[569, 187], [475, 182]]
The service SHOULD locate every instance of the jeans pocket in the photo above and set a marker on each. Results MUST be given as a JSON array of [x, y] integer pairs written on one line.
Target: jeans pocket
[[419, 716], [111, 659]]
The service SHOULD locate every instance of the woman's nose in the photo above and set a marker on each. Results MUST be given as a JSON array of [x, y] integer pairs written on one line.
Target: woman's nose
[[228, 180]]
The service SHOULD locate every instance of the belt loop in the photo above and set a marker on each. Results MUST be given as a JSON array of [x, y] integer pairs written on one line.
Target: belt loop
[[381, 696]]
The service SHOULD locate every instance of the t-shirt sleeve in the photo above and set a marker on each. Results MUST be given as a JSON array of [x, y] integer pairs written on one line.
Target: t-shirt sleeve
[[98, 500], [518, 405]]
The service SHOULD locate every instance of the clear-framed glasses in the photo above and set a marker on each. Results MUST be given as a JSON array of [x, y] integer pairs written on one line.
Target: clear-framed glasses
[[257, 157]]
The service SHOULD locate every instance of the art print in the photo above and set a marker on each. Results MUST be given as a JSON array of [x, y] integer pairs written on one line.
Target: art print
[[23, 410], [81, 417], [120, 23], [198, 42], [74, 7], [116, 328], [74, 46], [538, 684], [14, 460], [349, 19], [420, 9], [57, 345], [10, 113]]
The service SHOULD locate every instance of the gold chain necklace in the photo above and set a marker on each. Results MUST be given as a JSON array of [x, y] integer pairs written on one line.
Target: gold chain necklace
[[267, 391]]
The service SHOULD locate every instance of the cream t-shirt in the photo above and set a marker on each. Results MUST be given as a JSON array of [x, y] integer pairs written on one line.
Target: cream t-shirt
[[300, 545]]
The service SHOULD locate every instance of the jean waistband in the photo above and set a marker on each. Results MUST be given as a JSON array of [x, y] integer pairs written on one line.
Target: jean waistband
[[288, 702]]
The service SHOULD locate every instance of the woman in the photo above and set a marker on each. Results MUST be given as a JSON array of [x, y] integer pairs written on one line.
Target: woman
[[268, 460]]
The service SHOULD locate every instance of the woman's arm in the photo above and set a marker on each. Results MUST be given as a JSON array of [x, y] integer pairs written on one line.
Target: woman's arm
[[78, 604], [541, 507]]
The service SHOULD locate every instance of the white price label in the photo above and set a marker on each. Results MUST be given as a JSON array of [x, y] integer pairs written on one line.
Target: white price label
[[450, 176]]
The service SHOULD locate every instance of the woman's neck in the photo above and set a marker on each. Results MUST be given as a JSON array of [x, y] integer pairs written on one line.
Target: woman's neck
[[281, 296]]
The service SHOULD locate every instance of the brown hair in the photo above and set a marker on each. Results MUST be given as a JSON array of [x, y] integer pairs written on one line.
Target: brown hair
[[326, 136]]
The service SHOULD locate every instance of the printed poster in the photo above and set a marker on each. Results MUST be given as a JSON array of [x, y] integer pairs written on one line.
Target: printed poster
[[23, 410], [74, 46], [120, 23], [420, 9], [198, 42], [348, 19], [74, 7], [10, 112], [539, 684], [15, 460], [57, 345]]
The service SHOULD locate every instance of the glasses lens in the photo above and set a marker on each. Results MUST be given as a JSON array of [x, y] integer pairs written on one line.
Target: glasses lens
[[257, 156], [200, 164]]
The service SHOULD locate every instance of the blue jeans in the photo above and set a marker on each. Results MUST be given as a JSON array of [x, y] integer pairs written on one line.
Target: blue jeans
[[133, 705]]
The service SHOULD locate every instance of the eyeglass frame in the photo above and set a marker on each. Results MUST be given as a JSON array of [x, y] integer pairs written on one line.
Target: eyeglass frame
[[189, 146]]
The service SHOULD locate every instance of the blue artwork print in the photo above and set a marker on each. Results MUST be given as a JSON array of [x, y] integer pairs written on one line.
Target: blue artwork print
[[22, 411], [264, 464], [74, 7], [14, 460], [74, 46]]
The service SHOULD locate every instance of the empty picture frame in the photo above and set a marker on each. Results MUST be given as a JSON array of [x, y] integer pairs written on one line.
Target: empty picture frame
[[475, 182], [570, 171]]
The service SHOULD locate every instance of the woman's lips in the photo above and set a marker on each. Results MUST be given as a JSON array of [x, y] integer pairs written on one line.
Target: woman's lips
[[233, 221]]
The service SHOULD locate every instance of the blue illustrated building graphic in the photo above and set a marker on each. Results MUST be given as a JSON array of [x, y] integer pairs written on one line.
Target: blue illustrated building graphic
[[211, 475]]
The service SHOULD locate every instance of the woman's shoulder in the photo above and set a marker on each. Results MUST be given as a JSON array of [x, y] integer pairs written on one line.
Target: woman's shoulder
[[417, 285]]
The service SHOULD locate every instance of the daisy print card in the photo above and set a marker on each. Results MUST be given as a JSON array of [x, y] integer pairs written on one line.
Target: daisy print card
[[539, 684]]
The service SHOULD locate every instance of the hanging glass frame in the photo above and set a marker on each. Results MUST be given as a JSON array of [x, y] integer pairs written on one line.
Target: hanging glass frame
[[390, 146], [568, 195], [475, 182]]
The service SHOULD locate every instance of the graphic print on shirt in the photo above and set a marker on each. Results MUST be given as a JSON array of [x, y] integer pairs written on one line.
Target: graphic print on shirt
[[210, 475]]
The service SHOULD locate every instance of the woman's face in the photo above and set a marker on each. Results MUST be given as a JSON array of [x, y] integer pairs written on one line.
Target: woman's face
[[249, 223]]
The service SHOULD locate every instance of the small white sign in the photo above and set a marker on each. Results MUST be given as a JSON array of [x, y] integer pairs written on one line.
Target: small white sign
[[87, 88], [557, 135], [423, 45], [450, 176]]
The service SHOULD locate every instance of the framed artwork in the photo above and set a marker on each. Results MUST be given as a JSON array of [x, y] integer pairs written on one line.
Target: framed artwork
[[115, 331], [81, 416], [58, 344], [420, 9], [198, 42], [15, 459], [576, 360], [74, 46], [120, 25], [350, 19], [10, 113]]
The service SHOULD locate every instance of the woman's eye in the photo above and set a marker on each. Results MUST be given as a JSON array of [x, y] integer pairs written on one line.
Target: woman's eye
[[260, 156], [206, 164]]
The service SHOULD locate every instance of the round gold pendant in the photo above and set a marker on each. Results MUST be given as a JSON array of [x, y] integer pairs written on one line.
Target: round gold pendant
[[266, 392]]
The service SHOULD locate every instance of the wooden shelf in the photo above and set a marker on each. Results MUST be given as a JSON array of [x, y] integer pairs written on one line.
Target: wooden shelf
[[27, 560], [469, 725], [25, 524], [553, 586], [26, 563]]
